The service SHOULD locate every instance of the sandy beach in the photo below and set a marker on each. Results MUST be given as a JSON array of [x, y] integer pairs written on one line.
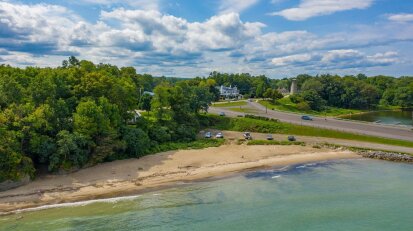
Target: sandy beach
[[127, 177]]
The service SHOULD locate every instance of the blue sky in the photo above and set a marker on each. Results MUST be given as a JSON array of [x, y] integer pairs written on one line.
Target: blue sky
[[187, 38]]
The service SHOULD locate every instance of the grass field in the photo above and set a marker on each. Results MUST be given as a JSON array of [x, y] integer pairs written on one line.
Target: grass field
[[255, 125], [230, 104], [285, 104]]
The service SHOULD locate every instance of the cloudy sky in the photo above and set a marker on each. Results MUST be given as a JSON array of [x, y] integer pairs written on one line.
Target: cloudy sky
[[189, 38]]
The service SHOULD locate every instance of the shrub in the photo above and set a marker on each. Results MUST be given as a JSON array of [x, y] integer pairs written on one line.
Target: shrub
[[260, 118], [303, 106]]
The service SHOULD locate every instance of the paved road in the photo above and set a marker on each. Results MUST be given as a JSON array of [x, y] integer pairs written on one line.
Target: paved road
[[311, 140], [372, 129]]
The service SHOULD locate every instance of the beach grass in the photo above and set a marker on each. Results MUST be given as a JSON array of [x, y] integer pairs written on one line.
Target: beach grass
[[262, 126]]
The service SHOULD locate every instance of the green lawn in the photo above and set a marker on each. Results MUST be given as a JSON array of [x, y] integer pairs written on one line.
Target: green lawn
[[230, 104], [285, 104], [255, 125]]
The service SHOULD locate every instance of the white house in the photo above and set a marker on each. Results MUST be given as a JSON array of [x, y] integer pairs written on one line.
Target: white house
[[148, 93], [229, 92], [135, 115]]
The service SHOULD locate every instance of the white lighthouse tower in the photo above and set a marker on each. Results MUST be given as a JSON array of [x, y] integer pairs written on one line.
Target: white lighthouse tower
[[294, 88]]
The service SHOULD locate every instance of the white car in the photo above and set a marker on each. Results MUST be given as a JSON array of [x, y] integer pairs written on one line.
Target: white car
[[219, 135], [208, 135]]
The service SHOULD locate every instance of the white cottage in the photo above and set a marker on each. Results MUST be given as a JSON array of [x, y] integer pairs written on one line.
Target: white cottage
[[229, 92]]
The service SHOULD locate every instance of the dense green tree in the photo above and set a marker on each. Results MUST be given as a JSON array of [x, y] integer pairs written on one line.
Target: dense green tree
[[137, 141], [200, 98], [273, 94], [90, 121], [10, 91], [145, 102], [73, 61], [312, 84], [13, 164], [161, 104], [314, 100], [72, 151], [403, 97]]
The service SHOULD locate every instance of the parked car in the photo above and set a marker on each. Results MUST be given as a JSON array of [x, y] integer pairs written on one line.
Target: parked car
[[269, 137], [306, 117], [247, 136], [222, 113], [291, 138], [208, 135], [219, 135]]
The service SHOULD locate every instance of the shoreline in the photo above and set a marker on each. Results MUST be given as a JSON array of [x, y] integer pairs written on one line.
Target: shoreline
[[155, 172]]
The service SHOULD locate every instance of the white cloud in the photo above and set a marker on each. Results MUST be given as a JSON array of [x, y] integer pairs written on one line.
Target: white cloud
[[37, 28], [237, 6], [292, 59], [354, 59], [312, 8], [401, 17], [337, 59], [166, 33], [336, 56]]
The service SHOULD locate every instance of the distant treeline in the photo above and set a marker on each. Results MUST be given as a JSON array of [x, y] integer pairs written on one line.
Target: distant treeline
[[316, 92]]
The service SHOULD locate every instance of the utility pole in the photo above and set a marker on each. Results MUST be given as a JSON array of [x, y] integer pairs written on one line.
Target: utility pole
[[140, 95]]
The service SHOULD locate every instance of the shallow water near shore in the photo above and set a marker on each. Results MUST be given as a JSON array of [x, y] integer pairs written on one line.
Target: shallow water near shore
[[358, 194]]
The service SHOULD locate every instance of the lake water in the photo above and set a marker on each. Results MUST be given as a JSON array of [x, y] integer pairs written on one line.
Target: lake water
[[385, 117], [340, 195]]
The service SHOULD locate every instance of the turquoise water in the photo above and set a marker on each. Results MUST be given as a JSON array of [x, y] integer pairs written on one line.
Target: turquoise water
[[340, 195], [385, 117]]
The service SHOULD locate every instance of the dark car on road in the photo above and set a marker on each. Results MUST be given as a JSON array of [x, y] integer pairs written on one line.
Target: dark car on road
[[269, 137], [291, 138], [306, 117], [222, 113], [247, 136]]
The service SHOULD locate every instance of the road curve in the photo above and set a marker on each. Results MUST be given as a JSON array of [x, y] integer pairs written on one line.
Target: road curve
[[371, 129]]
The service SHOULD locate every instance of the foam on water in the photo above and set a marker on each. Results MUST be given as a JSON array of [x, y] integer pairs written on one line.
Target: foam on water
[[73, 204]]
